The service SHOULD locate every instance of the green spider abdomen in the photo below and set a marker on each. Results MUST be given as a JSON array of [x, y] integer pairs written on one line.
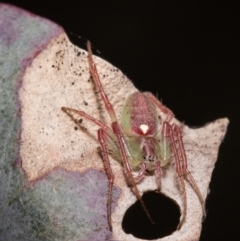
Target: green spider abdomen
[[139, 116]]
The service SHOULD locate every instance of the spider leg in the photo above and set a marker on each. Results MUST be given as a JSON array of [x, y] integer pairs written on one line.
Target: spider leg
[[102, 138], [178, 135], [141, 173], [105, 135], [168, 132], [116, 129], [158, 172], [68, 111], [162, 107], [98, 83], [174, 133]]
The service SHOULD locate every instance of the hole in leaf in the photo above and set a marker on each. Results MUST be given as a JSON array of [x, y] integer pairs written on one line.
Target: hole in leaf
[[164, 212]]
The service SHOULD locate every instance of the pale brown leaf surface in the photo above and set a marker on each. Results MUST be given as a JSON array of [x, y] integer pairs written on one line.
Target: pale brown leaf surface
[[60, 76]]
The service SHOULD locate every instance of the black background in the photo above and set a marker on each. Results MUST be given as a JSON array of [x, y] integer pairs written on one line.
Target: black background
[[187, 54]]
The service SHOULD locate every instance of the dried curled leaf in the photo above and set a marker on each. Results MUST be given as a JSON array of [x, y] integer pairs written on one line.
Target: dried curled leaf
[[60, 76]]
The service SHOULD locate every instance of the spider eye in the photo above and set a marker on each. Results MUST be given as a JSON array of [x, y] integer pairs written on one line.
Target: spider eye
[[150, 158]]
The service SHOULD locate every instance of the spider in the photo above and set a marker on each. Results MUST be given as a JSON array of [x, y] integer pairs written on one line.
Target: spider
[[136, 143]]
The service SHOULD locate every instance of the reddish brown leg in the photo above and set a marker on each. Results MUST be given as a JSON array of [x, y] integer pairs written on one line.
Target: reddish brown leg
[[90, 118], [162, 107], [116, 129], [158, 172], [168, 132], [141, 173], [174, 133], [102, 140], [178, 135], [98, 83]]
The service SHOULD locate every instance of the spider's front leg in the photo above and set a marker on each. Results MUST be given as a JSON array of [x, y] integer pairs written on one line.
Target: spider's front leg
[[121, 142], [174, 134]]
